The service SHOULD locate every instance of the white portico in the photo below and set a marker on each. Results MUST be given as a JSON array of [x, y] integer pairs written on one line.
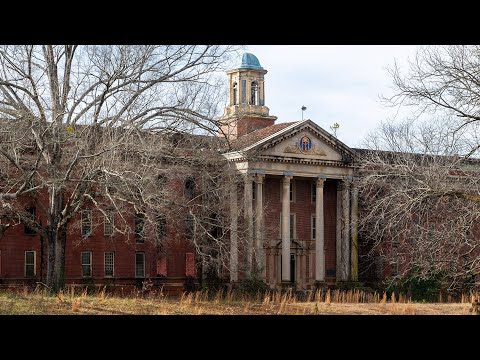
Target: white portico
[[293, 223], [299, 152]]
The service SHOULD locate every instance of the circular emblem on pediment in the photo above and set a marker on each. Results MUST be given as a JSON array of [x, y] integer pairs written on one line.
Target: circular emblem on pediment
[[305, 144]]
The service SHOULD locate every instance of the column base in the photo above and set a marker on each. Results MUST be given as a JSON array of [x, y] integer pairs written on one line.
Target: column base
[[320, 285], [287, 285]]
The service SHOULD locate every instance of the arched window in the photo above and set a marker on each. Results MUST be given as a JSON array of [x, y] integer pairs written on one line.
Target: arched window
[[190, 188], [254, 93], [235, 92]]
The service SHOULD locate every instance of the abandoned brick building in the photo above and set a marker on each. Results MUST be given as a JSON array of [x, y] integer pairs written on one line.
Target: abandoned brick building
[[295, 196]]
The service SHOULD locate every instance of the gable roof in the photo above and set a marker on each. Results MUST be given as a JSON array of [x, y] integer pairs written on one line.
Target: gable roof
[[257, 135], [269, 136]]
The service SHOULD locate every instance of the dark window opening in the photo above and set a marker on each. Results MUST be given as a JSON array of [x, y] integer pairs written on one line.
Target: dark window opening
[[139, 228], [190, 188], [189, 226], [31, 216], [86, 264], [161, 226], [314, 192], [30, 264], [254, 93], [139, 265], [235, 91], [86, 224]]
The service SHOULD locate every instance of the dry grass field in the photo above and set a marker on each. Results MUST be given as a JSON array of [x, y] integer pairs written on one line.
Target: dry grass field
[[335, 302]]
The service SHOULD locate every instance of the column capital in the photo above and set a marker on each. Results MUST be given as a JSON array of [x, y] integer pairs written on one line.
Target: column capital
[[321, 180], [286, 179], [248, 177], [259, 178]]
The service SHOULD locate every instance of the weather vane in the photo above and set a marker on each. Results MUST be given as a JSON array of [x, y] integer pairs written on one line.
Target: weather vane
[[303, 109], [334, 128]]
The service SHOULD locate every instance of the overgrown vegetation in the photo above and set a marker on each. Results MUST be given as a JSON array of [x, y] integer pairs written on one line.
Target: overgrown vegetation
[[231, 302]]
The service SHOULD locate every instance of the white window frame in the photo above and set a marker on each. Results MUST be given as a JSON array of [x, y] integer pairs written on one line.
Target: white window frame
[[137, 253], [108, 223], [85, 220], [105, 263], [34, 262], [82, 264]]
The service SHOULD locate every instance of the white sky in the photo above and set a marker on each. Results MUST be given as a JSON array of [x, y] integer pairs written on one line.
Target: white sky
[[336, 83]]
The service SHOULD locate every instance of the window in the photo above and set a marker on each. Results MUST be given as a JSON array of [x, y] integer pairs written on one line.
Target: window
[[31, 216], [314, 192], [254, 188], [189, 188], [244, 91], [108, 223], [30, 268], [313, 227], [86, 222], [235, 91], [109, 263], [139, 264], [189, 226], [291, 191], [254, 93], [161, 226], [292, 226], [139, 228], [86, 263]]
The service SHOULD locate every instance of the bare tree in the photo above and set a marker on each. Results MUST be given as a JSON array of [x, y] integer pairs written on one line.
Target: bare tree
[[420, 178], [97, 125]]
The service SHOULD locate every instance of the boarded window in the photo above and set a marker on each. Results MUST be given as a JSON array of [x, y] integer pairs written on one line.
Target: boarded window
[[86, 263], [189, 264], [86, 224], [109, 263], [139, 265], [30, 268], [162, 266]]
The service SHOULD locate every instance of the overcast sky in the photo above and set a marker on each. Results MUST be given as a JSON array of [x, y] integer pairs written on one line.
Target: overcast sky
[[336, 83]]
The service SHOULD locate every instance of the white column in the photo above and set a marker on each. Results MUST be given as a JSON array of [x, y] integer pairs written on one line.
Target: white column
[[338, 238], [259, 228], [233, 233], [354, 258], [286, 229], [248, 223], [319, 233], [346, 230]]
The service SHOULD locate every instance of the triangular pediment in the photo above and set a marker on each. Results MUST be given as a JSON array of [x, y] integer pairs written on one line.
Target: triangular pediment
[[302, 140]]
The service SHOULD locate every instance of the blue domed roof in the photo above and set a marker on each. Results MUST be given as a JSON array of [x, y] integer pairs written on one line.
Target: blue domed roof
[[250, 61]]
